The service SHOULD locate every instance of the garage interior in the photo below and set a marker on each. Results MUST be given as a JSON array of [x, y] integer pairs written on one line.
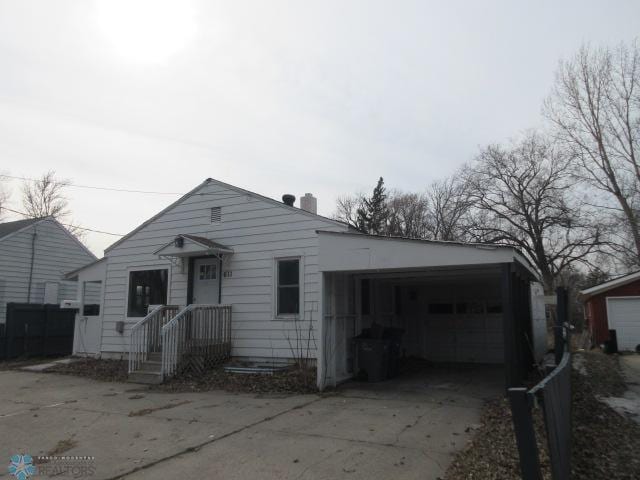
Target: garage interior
[[452, 316], [455, 304]]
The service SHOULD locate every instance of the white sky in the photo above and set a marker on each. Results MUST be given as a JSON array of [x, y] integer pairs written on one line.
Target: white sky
[[272, 96]]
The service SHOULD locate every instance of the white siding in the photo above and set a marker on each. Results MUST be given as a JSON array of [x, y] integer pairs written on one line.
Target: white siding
[[258, 230], [56, 253]]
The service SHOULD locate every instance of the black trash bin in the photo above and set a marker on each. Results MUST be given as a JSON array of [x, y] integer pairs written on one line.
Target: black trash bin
[[394, 336], [378, 353], [372, 358]]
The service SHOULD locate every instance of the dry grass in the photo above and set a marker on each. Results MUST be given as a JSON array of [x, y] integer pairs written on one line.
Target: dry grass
[[604, 444], [294, 381], [291, 381], [103, 370]]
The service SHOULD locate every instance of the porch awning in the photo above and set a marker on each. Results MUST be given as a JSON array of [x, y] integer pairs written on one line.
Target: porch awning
[[185, 245]]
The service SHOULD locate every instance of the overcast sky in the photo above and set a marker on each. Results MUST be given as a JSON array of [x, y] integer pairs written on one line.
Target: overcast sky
[[272, 96]]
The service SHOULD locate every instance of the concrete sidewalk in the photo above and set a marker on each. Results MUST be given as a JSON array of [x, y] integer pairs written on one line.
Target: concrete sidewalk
[[356, 433]]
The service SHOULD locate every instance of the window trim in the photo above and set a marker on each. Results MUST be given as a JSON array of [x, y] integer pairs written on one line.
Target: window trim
[[127, 286], [288, 316]]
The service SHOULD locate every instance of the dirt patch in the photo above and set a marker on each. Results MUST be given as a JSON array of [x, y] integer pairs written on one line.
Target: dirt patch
[[96, 369], [62, 446], [492, 454], [147, 411], [603, 373], [294, 381], [291, 381], [605, 443]]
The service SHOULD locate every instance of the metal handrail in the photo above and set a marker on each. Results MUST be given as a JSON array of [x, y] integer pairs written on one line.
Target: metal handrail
[[145, 335]]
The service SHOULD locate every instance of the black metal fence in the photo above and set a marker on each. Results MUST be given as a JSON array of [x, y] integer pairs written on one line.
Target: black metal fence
[[553, 395], [36, 330]]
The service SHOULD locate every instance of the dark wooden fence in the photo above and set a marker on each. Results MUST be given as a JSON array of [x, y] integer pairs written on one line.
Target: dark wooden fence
[[36, 330], [553, 395]]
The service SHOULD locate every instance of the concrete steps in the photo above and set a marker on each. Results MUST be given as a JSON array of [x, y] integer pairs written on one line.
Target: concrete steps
[[149, 372]]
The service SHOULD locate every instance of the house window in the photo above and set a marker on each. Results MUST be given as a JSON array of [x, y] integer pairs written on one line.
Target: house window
[[207, 272], [216, 214], [146, 287], [91, 296], [288, 290]]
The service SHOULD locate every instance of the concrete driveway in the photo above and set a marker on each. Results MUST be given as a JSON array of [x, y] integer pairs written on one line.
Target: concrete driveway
[[406, 428]]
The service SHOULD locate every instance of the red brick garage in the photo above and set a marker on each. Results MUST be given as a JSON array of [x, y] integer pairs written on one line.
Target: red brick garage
[[615, 305]]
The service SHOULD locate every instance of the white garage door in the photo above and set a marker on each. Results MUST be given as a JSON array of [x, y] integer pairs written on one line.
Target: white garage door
[[464, 338], [624, 317]]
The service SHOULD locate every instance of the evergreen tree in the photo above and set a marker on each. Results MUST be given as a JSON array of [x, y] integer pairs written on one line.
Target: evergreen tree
[[373, 214]]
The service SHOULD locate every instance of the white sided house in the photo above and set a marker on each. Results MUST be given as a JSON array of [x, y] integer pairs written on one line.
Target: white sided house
[[34, 256], [224, 272]]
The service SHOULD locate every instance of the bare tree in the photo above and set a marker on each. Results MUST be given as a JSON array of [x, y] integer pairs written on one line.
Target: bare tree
[[408, 215], [595, 108], [347, 208], [439, 213], [4, 196], [449, 203], [522, 197], [45, 198]]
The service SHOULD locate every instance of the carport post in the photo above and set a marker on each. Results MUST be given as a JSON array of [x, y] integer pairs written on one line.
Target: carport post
[[320, 355], [508, 318]]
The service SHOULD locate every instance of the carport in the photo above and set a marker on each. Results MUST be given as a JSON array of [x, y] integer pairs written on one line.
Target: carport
[[457, 303]]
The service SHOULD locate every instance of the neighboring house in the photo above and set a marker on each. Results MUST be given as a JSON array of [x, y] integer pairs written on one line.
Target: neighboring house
[[34, 256], [615, 305], [280, 283]]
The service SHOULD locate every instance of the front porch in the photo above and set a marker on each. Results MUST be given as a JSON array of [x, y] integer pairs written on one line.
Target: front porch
[[171, 340]]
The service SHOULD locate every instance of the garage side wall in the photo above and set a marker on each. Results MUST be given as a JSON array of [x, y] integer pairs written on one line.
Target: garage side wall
[[596, 310]]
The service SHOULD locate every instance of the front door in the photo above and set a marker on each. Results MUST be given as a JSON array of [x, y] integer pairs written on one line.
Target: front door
[[206, 281]]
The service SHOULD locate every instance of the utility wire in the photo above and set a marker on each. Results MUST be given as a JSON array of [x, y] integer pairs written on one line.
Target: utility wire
[[123, 190], [92, 187], [66, 224]]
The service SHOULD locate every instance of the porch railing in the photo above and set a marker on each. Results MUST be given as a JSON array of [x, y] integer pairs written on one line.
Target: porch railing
[[146, 334], [198, 337]]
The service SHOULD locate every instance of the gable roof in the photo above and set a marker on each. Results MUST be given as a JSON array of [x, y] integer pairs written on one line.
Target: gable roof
[[195, 244], [610, 284], [8, 228], [74, 273], [212, 181]]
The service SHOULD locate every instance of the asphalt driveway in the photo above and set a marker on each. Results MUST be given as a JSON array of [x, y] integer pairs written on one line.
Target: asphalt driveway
[[407, 428]]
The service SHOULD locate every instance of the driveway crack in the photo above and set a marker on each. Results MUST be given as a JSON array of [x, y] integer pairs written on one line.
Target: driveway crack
[[197, 447]]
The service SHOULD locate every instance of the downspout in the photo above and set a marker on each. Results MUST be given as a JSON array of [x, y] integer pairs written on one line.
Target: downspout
[[220, 279], [33, 257]]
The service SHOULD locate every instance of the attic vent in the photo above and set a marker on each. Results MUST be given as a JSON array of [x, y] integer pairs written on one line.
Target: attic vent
[[216, 215]]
